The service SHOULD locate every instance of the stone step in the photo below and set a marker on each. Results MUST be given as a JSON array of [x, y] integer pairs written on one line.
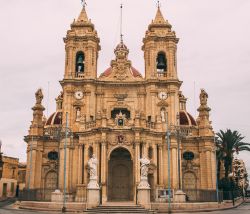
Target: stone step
[[119, 209]]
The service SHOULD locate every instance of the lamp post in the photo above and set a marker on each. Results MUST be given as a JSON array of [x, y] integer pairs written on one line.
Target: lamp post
[[179, 135], [168, 133], [231, 186], [64, 167], [58, 134]]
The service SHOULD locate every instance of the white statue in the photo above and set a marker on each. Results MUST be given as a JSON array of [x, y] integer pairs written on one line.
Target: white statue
[[78, 114], [92, 166], [163, 118], [144, 167], [144, 173]]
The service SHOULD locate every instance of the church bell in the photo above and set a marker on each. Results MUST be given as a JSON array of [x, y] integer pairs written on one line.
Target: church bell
[[161, 62]]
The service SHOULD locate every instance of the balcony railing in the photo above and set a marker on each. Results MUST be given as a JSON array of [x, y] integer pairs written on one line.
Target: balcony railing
[[162, 74], [90, 125], [79, 75], [150, 125]]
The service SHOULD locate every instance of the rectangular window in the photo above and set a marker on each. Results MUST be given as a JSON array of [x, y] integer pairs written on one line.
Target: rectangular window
[[12, 187]]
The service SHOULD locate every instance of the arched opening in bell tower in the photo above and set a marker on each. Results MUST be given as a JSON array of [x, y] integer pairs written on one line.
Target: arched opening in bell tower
[[120, 176], [161, 62], [80, 62]]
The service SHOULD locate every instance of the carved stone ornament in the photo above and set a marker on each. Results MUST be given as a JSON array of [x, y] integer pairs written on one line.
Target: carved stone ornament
[[162, 103], [120, 97], [120, 140]]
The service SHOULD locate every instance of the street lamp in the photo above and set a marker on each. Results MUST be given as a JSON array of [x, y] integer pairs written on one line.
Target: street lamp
[[168, 133], [231, 186], [59, 133]]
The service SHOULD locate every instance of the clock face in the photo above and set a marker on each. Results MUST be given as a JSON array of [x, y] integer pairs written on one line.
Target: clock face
[[163, 95], [79, 95]]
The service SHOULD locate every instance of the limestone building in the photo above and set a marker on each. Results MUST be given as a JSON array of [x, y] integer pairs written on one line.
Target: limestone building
[[8, 179], [120, 116]]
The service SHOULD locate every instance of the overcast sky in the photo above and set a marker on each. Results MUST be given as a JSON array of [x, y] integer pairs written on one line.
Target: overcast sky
[[213, 53]]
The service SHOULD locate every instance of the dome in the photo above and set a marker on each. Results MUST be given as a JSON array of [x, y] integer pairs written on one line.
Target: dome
[[187, 119], [55, 119]]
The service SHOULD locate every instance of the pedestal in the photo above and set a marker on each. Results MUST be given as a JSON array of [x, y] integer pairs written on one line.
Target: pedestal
[[81, 193], [93, 198], [93, 194], [179, 196], [57, 196], [144, 197]]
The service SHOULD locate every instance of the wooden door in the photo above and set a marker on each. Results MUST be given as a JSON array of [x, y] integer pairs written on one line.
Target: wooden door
[[120, 176], [120, 183], [4, 190]]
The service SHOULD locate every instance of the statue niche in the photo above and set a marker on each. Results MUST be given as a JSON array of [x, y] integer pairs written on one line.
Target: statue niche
[[120, 116]]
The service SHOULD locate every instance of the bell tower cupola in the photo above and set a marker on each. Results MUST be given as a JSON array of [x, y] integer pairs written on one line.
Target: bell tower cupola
[[82, 47], [160, 46]]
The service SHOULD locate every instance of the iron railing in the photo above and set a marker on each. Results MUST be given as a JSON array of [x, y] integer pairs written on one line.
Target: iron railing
[[35, 194], [198, 195]]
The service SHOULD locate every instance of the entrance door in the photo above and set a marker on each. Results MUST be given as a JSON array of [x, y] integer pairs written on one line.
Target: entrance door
[[50, 185], [120, 180], [5, 190], [189, 185]]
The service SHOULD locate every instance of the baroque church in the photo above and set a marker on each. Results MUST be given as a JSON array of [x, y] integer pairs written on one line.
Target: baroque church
[[118, 118]]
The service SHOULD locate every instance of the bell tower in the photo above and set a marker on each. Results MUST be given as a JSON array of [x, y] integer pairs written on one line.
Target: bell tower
[[82, 47], [160, 46]]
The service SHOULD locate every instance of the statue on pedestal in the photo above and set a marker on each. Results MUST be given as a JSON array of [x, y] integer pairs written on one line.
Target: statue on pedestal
[[39, 96], [92, 167], [144, 172]]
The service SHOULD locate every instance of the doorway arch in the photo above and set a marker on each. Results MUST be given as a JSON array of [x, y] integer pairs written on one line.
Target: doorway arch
[[120, 175]]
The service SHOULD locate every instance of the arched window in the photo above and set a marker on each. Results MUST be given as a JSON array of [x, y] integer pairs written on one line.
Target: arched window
[[161, 62], [150, 152], [80, 62], [90, 152]]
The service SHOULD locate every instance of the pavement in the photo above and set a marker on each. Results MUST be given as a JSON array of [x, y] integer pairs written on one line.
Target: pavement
[[7, 207]]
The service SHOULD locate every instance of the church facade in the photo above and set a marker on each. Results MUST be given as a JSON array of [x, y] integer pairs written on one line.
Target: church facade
[[120, 117]]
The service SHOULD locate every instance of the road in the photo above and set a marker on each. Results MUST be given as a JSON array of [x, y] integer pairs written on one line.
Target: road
[[6, 208]]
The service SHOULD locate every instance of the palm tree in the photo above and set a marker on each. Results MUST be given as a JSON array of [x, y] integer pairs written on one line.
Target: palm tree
[[228, 143]]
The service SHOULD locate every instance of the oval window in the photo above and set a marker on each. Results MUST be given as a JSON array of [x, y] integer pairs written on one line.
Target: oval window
[[188, 155], [53, 155]]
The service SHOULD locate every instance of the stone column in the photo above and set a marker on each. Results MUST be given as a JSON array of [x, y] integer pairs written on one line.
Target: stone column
[[214, 170], [174, 168], [208, 171], [160, 165], [104, 171], [154, 147], [81, 188], [137, 164], [80, 166], [136, 167], [85, 174]]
